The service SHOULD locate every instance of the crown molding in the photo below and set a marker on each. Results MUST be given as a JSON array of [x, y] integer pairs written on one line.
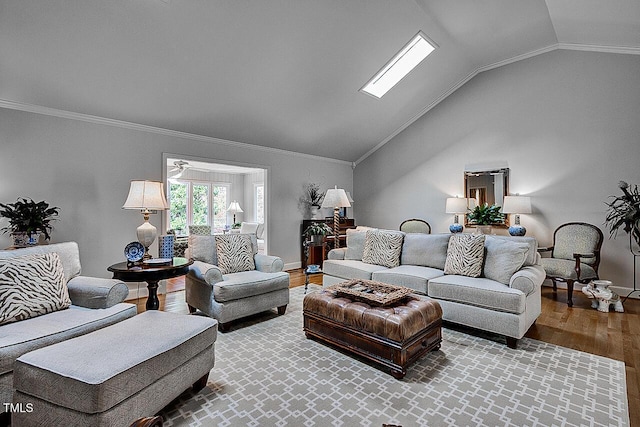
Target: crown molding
[[626, 50], [47, 111]]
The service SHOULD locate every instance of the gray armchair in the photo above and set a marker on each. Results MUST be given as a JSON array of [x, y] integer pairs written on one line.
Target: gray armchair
[[575, 255], [230, 296]]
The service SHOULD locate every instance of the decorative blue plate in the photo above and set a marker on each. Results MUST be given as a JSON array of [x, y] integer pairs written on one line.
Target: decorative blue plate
[[134, 251]]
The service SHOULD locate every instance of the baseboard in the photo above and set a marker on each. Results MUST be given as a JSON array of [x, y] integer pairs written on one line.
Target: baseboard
[[293, 265], [622, 291], [139, 289]]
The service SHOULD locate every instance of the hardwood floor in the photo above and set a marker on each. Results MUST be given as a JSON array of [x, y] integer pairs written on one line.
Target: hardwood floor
[[612, 335]]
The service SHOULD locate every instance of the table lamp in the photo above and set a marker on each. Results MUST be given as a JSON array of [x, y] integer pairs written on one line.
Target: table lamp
[[457, 206], [336, 198], [234, 207], [148, 197], [517, 205]]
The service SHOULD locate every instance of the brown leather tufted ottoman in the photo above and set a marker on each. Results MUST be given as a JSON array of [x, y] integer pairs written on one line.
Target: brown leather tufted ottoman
[[393, 336]]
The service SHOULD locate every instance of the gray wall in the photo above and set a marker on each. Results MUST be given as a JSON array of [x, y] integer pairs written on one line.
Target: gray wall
[[85, 169], [566, 122]]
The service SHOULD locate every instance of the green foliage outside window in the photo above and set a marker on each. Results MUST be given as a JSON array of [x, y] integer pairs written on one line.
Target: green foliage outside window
[[178, 206]]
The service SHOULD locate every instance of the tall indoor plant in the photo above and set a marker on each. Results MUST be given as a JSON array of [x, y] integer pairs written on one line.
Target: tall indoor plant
[[27, 220], [624, 211]]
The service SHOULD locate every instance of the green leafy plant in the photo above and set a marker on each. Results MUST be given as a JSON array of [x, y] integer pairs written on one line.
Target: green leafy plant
[[312, 195], [486, 215], [29, 217], [317, 229], [624, 211]]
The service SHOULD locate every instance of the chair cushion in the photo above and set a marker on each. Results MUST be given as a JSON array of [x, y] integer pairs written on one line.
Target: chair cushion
[[30, 286], [383, 247], [566, 269], [503, 258], [465, 254], [480, 292], [247, 284], [235, 253], [203, 248]]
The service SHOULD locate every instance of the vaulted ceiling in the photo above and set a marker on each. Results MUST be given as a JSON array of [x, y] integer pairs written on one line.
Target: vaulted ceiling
[[284, 74]]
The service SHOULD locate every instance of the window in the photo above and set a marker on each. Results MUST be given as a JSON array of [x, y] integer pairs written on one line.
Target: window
[[197, 203], [400, 65], [259, 202]]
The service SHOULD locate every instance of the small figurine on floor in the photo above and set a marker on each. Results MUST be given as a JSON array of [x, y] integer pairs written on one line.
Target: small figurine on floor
[[603, 296]]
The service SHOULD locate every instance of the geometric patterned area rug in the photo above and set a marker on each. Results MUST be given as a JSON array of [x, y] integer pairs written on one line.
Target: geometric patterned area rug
[[267, 373]]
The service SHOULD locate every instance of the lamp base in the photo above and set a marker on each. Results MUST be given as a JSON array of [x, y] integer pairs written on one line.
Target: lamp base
[[517, 230], [146, 235], [456, 228]]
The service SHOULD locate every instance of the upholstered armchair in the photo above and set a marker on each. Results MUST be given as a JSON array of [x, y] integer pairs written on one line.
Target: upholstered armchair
[[229, 279], [575, 255], [415, 226]]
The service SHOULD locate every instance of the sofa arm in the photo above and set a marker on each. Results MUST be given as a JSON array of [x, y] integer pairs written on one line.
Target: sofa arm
[[208, 273], [95, 292], [268, 264], [338, 253], [527, 279]]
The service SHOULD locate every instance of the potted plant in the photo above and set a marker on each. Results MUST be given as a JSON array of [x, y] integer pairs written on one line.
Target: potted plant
[[624, 211], [316, 231], [313, 198], [484, 216], [27, 220]]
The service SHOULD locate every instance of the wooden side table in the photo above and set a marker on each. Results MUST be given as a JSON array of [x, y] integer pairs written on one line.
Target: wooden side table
[[151, 274]]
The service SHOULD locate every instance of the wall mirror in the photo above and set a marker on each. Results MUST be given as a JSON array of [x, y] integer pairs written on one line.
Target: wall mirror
[[487, 186]]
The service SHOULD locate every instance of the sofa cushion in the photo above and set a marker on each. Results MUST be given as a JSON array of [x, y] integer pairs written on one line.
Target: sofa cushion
[[383, 247], [203, 248], [503, 258], [355, 244], [480, 292], [411, 276], [532, 251], [350, 269], [247, 284], [30, 286], [465, 254], [235, 253], [21, 337], [429, 250]]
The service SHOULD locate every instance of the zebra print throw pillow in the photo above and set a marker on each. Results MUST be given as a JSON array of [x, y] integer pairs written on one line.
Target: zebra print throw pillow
[[30, 286], [383, 247], [235, 253], [465, 254]]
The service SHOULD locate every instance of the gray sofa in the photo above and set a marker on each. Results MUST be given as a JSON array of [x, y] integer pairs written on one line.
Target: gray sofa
[[508, 307], [96, 303]]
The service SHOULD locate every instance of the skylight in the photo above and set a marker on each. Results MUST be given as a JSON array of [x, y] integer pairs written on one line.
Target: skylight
[[400, 65]]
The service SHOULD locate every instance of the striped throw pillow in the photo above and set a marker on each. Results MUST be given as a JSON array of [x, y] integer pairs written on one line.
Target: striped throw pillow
[[235, 253], [465, 255], [30, 286], [383, 247]]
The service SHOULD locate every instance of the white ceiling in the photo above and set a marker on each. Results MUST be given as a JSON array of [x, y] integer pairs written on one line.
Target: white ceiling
[[278, 73]]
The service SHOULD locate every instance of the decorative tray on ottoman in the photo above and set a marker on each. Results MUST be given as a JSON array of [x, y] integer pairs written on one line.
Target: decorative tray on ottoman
[[371, 292]]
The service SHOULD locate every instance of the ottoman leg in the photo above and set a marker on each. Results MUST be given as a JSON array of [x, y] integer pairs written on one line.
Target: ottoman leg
[[148, 422], [201, 383], [282, 309]]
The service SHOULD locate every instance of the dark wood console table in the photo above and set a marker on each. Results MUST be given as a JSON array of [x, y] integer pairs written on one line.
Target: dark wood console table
[[316, 254]]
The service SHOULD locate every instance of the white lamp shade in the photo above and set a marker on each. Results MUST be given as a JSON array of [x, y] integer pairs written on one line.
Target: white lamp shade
[[234, 207], [517, 205], [336, 198], [146, 195], [456, 205]]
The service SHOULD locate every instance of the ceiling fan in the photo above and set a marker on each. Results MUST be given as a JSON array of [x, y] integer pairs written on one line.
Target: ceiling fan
[[180, 166]]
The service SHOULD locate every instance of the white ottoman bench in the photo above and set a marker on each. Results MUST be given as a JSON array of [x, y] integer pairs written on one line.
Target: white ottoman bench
[[115, 375]]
